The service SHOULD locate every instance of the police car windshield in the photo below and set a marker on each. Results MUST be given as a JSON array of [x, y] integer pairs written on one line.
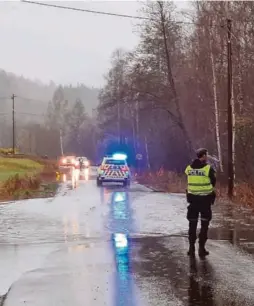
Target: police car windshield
[[114, 162]]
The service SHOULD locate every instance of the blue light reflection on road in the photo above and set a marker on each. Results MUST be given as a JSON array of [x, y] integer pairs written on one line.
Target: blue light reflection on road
[[121, 220], [121, 226]]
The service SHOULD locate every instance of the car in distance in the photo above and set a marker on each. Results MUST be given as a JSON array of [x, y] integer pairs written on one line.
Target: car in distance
[[67, 163]]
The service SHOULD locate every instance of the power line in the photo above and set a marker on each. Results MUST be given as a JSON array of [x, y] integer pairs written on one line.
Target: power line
[[31, 99], [108, 13], [84, 10], [21, 113], [125, 15], [24, 98], [29, 114]]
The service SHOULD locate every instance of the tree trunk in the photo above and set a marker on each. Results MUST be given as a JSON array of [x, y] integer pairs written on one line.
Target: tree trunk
[[240, 81], [215, 97], [137, 127], [147, 154], [233, 112], [233, 129], [172, 82]]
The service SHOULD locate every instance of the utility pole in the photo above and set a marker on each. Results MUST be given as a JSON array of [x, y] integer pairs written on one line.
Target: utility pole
[[137, 123], [138, 136], [118, 121], [61, 141], [13, 123], [230, 115], [30, 142]]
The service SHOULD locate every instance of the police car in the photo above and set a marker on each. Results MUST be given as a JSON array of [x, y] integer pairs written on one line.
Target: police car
[[114, 169]]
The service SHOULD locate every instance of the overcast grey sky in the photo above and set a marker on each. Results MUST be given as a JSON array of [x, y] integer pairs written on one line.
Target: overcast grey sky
[[64, 46]]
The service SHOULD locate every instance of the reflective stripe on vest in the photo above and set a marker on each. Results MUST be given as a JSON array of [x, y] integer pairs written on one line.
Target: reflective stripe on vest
[[199, 182]]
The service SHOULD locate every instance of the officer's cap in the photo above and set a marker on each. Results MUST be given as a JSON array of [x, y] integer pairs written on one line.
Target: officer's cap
[[201, 152]]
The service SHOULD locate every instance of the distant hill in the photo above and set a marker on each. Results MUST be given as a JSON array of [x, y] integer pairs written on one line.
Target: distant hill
[[33, 96]]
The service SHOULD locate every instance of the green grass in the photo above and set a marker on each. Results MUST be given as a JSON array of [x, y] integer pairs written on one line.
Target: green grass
[[11, 166]]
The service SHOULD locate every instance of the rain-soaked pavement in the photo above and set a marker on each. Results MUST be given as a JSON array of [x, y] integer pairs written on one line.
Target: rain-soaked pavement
[[120, 247]]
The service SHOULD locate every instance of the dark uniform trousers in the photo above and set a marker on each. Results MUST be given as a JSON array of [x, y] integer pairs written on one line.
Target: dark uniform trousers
[[199, 205]]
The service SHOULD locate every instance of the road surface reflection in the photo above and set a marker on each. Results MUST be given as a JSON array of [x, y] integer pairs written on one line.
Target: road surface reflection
[[73, 176], [200, 292], [121, 226], [84, 174]]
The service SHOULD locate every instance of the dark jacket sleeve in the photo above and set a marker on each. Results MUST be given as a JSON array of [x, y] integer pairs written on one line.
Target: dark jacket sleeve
[[212, 176]]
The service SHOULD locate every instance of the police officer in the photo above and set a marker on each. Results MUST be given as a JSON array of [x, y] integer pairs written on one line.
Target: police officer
[[81, 162], [200, 196]]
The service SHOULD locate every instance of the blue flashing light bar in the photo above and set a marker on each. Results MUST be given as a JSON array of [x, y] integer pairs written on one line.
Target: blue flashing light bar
[[119, 156]]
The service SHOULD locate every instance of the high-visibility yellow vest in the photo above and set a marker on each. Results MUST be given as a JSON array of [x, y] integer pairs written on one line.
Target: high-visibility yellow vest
[[199, 182], [58, 176]]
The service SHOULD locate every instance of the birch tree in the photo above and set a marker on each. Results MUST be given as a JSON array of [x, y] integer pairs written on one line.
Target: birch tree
[[215, 96]]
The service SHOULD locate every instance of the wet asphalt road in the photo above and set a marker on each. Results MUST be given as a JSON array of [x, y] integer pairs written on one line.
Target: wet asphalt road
[[113, 246]]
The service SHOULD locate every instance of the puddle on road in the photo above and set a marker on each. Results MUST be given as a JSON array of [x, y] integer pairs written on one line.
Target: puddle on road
[[234, 224], [164, 272]]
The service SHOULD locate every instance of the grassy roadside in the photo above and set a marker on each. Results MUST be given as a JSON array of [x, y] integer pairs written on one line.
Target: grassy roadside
[[26, 177], [11, 166], [171, 182]]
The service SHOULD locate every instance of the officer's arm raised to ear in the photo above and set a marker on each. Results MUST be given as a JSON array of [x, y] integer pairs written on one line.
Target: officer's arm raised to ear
[[212, 176]]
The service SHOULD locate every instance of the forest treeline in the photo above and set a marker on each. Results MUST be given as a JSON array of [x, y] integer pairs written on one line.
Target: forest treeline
[[168, 96]]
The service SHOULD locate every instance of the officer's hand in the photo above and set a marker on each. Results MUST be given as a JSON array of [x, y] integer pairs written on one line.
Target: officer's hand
[[187, 197], [213, 197]]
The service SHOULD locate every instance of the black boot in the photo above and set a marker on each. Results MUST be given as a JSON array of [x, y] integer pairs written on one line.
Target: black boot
[[203, 238], [192, 237], [202, 252], [191, 251]]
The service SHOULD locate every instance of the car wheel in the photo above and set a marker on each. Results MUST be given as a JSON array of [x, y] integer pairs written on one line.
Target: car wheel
[[126, 183]]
